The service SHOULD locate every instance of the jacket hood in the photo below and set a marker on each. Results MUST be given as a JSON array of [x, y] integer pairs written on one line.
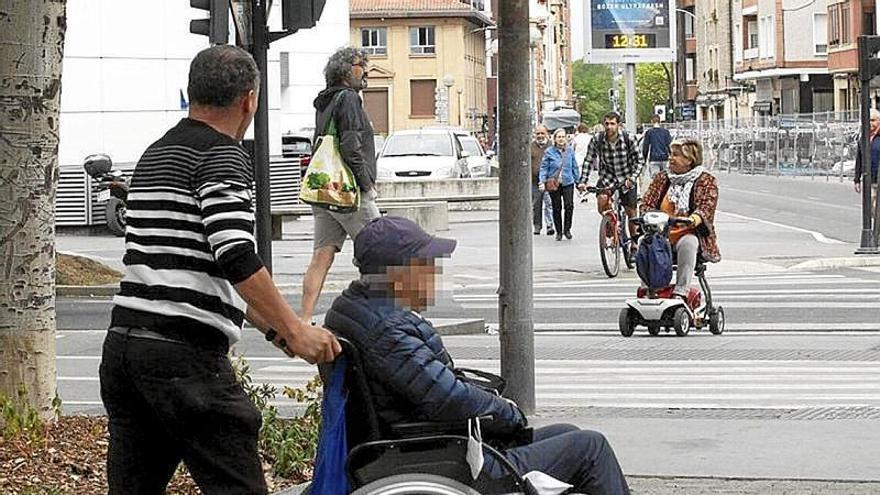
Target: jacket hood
[[326, 96]]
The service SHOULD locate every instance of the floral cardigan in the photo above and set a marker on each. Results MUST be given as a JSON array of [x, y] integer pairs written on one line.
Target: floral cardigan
[[704, 198]]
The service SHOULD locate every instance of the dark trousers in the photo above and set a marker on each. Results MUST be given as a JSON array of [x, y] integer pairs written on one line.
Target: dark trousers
[[563, 194], [582, 458], [169, 402]]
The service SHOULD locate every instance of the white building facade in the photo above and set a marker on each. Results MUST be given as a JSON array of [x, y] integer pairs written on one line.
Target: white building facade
[[125, 72]]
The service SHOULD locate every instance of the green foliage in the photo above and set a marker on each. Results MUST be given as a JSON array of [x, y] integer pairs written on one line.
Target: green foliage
[[317, 180], [20, 421], [652, 88], [287, 443], [591, 83]]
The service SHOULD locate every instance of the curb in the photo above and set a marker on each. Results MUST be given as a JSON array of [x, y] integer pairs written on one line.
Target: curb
[[833, 263], [295, 489]]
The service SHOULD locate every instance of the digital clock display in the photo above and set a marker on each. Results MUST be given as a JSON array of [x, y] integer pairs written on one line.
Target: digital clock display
[[634, 40]]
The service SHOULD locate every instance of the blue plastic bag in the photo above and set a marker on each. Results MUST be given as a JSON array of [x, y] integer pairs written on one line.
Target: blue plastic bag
[[654, 261], [330, 477]]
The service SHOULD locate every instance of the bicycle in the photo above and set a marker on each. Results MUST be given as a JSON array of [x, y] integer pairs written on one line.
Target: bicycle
[[613, 233]]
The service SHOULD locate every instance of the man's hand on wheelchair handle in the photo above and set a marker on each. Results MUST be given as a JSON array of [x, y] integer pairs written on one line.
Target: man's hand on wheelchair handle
[[313, 343]]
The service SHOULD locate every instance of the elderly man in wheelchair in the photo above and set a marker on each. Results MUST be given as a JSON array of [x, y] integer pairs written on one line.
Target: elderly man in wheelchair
[[412, 416]]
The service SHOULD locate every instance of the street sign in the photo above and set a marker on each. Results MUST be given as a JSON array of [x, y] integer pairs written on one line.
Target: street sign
[[629, 31], [660, 111]]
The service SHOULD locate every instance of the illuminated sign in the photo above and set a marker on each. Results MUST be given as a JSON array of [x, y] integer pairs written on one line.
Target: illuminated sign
[[629, 31]]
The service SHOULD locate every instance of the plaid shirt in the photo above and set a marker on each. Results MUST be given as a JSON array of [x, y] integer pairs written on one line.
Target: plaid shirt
[[617, 162]]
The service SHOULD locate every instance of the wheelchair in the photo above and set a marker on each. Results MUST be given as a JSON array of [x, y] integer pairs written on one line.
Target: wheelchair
[[423, 458]]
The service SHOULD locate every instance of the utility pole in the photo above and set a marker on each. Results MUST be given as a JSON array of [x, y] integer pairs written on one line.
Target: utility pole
[[515, 239], [629, 75], [261, 135], [869, 66]]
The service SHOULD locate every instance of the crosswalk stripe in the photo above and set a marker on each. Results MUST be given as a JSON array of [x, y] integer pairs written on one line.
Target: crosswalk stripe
[[733, 304]]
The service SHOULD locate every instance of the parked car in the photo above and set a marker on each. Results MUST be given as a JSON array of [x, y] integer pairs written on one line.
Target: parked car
[[422, 154], [478, 162], [297, 145]]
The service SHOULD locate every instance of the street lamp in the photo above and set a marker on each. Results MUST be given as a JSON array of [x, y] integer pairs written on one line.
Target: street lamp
[[448, 81]]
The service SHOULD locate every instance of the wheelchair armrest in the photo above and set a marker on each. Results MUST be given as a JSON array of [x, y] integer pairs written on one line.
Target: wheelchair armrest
[[412, 429]]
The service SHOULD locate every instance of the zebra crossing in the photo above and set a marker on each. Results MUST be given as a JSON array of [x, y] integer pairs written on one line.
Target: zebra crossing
[[776, 290], [691, 384]]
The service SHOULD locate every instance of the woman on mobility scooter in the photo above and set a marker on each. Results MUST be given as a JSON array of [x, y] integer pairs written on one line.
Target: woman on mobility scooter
[[688, 195]]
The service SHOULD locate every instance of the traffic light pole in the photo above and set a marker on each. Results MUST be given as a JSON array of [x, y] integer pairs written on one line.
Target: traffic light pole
[[261, 136], [515, 236], [868, 66]]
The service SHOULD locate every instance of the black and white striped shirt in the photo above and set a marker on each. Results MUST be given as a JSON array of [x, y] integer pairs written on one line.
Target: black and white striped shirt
[[189, 237]]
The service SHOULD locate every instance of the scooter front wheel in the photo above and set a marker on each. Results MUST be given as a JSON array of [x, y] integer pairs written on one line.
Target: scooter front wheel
[[716, 321]]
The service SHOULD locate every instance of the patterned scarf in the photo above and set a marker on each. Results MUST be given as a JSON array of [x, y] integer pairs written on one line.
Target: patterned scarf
[[680, 187]]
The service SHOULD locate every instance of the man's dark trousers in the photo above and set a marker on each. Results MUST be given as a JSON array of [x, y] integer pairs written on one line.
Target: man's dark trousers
[[582, 458], [537, 207], [169, 402]]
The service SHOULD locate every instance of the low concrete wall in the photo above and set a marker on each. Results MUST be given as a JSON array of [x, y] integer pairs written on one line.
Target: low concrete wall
[[429, 189], [433, 216]]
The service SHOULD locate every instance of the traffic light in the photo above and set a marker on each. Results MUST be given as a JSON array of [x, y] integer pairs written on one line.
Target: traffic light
[[216, 26], [301, 14]]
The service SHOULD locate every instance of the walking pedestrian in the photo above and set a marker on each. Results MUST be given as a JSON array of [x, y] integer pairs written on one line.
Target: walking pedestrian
[[874, 179], [541, 206], [192, 276], [346, 76], [558, 175], [581, 143], [655, 147]]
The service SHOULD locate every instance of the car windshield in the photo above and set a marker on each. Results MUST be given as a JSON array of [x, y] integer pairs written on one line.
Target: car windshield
[[470, 145], [418, 144]]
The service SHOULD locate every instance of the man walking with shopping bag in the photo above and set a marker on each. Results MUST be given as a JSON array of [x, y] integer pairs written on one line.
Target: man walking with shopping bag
[[346, 75]]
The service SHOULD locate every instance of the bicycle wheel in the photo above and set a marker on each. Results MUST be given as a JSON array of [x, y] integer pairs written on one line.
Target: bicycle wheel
[[626, 244], [415, 484], [609, 247]]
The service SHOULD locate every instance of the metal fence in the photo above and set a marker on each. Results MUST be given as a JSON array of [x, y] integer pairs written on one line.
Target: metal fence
[[821, 145]]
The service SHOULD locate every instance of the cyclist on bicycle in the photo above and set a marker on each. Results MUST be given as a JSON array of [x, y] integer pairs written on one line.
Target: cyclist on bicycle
[[620, 164]]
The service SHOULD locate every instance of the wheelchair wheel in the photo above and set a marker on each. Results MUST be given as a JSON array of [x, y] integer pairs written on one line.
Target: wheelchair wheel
[[415, 484], [626, 322]]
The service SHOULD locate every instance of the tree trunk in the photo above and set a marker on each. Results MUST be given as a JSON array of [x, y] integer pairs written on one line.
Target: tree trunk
[[31, 50]]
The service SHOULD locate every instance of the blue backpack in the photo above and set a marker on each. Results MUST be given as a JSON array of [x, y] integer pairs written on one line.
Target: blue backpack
[[654, 261]]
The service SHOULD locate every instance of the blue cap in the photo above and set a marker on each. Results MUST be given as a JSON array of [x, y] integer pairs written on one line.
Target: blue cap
[[394, 241]]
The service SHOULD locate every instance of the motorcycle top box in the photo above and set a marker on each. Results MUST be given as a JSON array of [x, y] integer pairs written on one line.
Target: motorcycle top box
[[97, 164]]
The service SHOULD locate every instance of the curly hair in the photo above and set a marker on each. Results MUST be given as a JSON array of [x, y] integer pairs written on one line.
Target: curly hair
[[220, 74], [339, 64], [691, 149]]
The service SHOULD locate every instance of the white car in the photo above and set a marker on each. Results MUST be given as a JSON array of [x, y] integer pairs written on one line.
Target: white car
[[478, 162], [422, 154]]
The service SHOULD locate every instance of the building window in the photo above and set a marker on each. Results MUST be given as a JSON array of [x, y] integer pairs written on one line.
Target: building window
[[766, 37], [834, 25], [845, 35], [737, 42], [374, 41], [421, 97], [868, 25], [689, 74], [752, 33], [688, 24], [421, 40], [820, 33]]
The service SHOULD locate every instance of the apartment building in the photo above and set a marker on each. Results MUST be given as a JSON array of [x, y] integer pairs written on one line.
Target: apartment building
[[780, 47], [553, 57], [719, 96], [416, 47], [686, 62], [846, 21]]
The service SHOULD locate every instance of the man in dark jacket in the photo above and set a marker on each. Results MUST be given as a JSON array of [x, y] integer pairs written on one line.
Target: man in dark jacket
[[655, 147], [874, 129], [411, 374], [346, 75], [540, 200]]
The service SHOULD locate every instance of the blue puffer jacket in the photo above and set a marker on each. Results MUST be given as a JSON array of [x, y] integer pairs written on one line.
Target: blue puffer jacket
[[409, 370]]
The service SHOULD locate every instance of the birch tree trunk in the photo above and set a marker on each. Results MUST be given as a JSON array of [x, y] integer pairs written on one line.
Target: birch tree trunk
[[31, 49]]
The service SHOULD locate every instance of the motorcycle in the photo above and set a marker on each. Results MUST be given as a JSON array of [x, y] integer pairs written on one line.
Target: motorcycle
[[111, 188]]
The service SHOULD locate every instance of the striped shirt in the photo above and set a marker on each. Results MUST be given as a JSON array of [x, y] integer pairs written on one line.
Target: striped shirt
[[189, 237], [617, 161]]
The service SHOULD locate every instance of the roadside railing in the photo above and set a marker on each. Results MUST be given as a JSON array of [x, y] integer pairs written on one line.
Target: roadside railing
[[821, 145]]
